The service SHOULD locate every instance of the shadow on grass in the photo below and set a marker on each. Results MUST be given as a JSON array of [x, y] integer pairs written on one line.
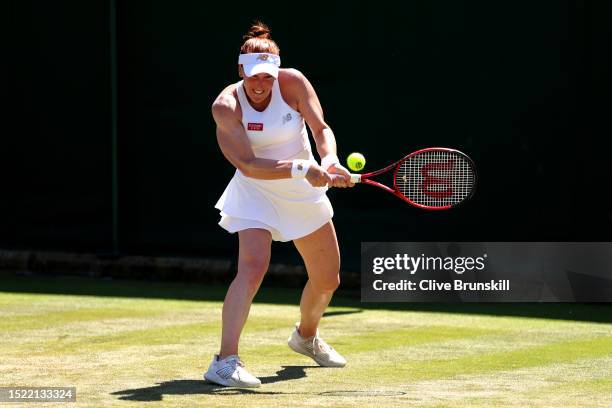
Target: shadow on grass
[[342, 312], [69, 285], [186, 387]]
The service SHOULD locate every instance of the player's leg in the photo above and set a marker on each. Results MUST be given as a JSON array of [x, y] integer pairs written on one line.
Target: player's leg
[[253, 261], [322, 258]]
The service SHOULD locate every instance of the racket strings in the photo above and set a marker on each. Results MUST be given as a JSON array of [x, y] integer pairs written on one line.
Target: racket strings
[[436, 178]]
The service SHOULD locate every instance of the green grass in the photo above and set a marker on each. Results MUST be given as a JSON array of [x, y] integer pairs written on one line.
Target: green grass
[[127, 343]]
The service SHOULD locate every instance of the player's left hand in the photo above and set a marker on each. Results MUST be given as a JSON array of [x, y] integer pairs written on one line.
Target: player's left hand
[[340, 176]]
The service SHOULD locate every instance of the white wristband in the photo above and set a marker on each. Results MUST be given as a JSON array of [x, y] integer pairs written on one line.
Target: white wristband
[[329, 160], [299, 168]]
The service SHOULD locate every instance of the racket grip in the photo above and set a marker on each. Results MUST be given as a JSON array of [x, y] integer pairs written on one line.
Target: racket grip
[[355, 178]]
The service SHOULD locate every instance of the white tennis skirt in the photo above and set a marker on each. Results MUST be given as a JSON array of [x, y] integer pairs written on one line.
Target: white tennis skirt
[[288, 208]]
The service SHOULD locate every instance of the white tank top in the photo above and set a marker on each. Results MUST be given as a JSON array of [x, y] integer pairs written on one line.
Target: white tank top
[[289, 208], [277, 133]]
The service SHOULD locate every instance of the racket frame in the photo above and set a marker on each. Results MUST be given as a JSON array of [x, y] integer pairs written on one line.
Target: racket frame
[[365, 178]]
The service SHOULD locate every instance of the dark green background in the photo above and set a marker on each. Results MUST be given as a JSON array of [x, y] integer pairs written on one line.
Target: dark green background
[[522, 87]]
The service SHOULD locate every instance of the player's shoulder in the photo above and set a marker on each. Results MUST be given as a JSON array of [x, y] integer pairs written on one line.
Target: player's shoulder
[[226, 103], [292, 80], [291, 76]]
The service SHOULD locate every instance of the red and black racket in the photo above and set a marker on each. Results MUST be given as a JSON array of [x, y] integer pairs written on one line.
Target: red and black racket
[[436, 178]]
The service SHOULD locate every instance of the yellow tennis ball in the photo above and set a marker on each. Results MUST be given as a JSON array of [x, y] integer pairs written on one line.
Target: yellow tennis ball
[[356, 161]]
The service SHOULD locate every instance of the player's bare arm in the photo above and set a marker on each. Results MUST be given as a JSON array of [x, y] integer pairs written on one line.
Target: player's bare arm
[[235, 146], [310, 108]]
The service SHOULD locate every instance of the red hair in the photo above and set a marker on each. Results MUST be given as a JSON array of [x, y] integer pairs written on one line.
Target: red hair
[[258, 39]]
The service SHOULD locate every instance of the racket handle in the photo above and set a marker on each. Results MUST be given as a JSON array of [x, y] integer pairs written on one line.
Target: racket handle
[[355, 178]]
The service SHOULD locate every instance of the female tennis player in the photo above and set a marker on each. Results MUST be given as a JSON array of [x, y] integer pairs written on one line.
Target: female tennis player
[[277, 193]]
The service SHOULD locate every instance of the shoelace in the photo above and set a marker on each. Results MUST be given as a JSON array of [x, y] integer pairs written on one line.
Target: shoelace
[[236, 361]]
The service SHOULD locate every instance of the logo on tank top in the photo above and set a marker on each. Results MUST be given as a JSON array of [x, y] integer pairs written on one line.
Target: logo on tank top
[[255, 126], [287, 118]]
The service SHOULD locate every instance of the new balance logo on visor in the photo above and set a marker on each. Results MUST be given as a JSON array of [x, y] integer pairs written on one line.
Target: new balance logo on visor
[[255, 126]]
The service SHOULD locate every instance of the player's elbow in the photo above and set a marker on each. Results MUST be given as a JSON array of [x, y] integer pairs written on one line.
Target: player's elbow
[[246, 167], [322, 130], [246, 171]]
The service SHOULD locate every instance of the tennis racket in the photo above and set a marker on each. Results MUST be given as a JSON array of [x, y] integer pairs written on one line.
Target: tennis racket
[[435, 178]]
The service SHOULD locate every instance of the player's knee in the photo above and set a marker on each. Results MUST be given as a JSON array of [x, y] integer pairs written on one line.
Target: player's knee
[[253, 270], [327, 283]]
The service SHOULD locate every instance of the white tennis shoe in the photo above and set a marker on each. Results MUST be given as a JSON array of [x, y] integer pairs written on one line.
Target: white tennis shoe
[[316, 348], [230, 372]]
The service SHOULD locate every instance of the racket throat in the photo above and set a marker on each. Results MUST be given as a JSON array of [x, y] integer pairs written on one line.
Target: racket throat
[[355, 178]]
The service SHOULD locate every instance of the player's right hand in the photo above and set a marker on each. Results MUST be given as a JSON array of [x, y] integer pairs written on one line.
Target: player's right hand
[[317, 177]]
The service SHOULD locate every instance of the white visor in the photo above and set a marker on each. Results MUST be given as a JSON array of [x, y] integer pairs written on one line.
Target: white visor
[[257, 63]]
